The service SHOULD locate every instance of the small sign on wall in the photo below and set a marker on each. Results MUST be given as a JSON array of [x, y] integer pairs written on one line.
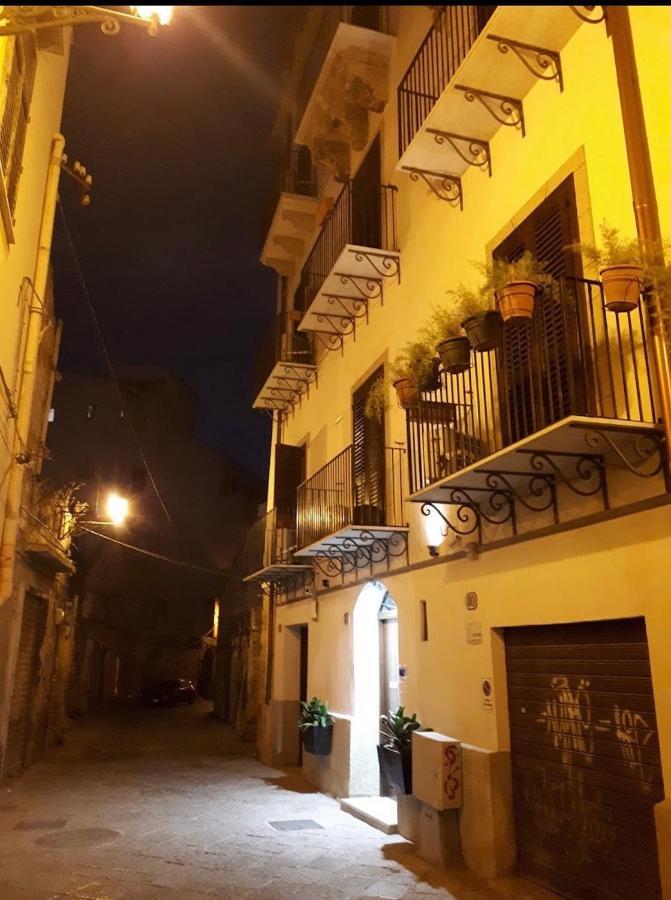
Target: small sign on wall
[[473, 632], [487, 694], [471, 600]]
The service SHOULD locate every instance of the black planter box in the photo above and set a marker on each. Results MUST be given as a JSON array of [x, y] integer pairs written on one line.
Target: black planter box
[[395, 770], [318, 740]]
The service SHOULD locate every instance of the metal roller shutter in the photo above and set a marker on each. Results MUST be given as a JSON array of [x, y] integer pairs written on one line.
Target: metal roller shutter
[[585, 758], [26, 677]]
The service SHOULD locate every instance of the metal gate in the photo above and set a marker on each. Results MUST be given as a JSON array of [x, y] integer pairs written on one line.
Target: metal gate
[[26, 678], [585, 758]]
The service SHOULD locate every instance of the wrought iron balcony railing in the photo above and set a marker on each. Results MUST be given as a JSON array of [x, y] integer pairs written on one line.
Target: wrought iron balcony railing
[[363, 216], [350, 492], [433, 66], [282, 344], [271, 541], [573, 358]]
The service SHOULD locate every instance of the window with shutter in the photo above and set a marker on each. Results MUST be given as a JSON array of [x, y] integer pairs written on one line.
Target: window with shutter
[[289, 473], [368, 475], [22, 62], [367, 200], [536, 354]]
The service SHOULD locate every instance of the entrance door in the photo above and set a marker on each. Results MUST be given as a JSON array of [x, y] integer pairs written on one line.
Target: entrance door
[[26, 679], [585, 758]]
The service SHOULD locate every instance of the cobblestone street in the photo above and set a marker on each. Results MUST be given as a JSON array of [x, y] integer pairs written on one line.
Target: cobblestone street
[[166, 803]]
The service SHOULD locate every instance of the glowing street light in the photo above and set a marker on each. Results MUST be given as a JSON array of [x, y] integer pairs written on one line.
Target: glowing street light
[[117, 508], [21, 19]]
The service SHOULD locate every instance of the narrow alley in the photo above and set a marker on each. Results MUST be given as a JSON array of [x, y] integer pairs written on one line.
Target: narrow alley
[[166, 803]]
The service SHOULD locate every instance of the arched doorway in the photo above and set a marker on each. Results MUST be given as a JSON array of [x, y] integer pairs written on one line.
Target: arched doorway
[[376, 690]]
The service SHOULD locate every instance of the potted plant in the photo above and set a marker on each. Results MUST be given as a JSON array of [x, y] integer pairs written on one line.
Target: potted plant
[[395, 753], [376, 401], [316, 726], [480, 321], [415, 369], [444, 332], [515, 284], [620, 268]]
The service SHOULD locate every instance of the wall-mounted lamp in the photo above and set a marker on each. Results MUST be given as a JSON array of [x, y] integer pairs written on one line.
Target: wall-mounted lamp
[[433, 550], [21, 19]]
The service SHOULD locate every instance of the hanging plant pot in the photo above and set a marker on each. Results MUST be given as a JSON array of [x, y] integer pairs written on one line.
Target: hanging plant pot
[[407, 393], [431, 380], [395, 770], [622, 287], [318, 739], [455, 354], [516, 300], [484, 330]]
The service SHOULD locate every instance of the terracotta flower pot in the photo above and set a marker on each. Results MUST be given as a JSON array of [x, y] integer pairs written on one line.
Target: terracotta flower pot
[[455, 354], [516, 300], [407, 393], [622, 287], [483, 330]]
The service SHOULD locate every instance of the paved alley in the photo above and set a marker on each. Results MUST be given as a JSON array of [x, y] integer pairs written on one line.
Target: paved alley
[[165, 803]]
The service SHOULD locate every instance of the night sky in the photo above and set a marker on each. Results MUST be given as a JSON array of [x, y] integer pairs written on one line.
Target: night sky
[[175, 131]]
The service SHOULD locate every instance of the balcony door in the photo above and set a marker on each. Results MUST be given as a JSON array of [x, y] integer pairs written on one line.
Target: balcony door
[[537, 354], [368, 470], [366, 210], [289, 473]]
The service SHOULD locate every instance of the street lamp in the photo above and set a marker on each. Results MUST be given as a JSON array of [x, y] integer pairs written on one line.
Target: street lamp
[[117, 510], [21, 19]]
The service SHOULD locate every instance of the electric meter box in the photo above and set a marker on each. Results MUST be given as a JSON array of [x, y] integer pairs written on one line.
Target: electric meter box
[[436, 769]]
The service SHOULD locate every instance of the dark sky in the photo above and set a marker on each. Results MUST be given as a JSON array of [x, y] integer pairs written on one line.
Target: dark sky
[[175, 131]]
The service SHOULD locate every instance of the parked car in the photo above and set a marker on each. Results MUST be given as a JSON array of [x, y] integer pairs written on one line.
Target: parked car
[[170, 692]]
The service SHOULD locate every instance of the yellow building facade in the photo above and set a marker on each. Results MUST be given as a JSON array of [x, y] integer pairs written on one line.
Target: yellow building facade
[[494, 556], [34, 70]]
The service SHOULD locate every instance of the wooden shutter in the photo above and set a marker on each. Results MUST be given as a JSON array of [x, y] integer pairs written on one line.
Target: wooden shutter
[[585, 758], [368, 475], [367, 200], [536, 354], [289, 473], [16, 114]]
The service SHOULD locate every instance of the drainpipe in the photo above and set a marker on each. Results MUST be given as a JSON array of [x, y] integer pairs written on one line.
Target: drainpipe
[[21, 455], [644, 198]]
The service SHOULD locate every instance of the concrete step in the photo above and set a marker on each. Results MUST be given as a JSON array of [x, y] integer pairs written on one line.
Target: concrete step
[[380, 812]]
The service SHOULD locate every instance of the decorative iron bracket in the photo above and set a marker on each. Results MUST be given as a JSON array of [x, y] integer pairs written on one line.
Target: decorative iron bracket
[[365, 551], [505, 110], [367, 288], [646, 447], [540, 486], [473, 151], [467, 516], [586, 17], [589, 469], [383, 264], [330, 341], [340, 324], [542, 63], [352, 307], [448, 187], [500, 502]]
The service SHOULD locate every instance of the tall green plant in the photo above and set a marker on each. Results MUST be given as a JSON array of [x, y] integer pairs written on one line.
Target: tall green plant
[[415, 361], [376, 401], [314, 714], [397, 729], [500, 272]]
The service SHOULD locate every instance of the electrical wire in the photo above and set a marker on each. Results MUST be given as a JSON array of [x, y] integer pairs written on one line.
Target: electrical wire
[[108, 360], [154, 555]]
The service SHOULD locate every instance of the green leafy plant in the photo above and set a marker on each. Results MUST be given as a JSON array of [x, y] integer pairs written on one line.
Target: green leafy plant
[[397, 729], [499, 273], [376, 401], [445, 322], [613, 249], [415, 361], [314, 714]]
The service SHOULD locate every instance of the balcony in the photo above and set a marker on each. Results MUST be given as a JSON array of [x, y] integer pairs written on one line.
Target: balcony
[[293, 220], [269, 554], [350, 512], [468, 79], [285, 368], [568, 398], [345, 86], [353, 256]]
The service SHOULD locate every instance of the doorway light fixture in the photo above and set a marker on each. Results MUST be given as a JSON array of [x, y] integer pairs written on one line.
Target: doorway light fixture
[[23, 19]]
